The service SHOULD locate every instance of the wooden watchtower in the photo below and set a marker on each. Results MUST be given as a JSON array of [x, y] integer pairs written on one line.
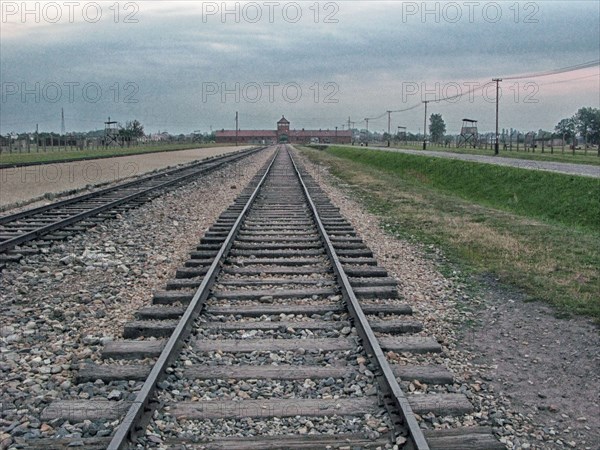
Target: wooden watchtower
[[468, 134], [111, 133]]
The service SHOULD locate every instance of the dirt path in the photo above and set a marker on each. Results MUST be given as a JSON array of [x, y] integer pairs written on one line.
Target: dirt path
[[23, 184], [548, 367], [585, 170]]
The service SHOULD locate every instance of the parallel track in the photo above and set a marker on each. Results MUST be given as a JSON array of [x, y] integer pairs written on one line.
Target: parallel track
[[58, 219], [280, 290]]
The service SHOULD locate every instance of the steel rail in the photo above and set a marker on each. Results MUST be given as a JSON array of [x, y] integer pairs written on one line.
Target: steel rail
[[11, 243], [416, 438], [30, 212], [126, 430]]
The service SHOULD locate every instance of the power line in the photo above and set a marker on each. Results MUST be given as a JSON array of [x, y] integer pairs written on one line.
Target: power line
[[452, 97], [584, 65], [462, 94], [416, 105], [569, 80], [378, 117], [572, 68]]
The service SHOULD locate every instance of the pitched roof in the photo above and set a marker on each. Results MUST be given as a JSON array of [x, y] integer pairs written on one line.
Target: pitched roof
[[320, 133], [246, 133], [283, 120]]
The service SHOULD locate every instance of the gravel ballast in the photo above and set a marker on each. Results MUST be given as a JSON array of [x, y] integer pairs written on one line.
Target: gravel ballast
[[58, 308]]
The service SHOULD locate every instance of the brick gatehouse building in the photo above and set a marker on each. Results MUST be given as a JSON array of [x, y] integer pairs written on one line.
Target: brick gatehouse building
[[284, 134]]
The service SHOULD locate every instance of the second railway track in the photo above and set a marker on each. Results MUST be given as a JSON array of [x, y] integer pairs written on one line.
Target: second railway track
[[275, 334], [22, 233]]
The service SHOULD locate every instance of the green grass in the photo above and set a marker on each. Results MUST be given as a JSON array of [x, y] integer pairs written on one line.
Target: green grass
[[570, 200], [15, 158], [537, 231], [578, 158]]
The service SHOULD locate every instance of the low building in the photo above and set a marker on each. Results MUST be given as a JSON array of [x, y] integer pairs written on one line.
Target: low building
[[283, 134]]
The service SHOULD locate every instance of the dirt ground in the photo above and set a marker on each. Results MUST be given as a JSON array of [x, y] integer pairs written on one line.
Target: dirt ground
[[24, 184], [548, 367]]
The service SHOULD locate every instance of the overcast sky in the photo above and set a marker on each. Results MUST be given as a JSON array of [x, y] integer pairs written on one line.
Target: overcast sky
[[185, 66]]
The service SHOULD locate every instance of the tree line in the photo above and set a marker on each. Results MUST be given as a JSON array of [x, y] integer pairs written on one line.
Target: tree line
[[584, 123]]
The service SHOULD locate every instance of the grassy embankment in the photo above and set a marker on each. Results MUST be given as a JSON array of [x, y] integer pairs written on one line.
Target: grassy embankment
[[20, 158], [579, 157], [539, 231]]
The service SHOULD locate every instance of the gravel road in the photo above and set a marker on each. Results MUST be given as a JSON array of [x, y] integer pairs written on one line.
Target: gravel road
[[24, 184], [584, 170]]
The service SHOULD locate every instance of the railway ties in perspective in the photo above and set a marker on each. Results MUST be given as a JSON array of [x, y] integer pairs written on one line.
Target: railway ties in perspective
[[275, 334]]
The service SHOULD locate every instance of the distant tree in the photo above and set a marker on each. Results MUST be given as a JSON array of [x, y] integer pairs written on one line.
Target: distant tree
[[131, 131], [587, 122], [136, 128], [437, 127], [566, 128]]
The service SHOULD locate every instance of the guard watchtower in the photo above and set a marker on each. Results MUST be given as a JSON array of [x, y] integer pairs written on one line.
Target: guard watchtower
[[468, 134], [111, 133]]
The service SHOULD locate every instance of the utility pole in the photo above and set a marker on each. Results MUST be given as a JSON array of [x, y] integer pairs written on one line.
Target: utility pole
[[497, 80], [425, 126], [62, 121], [350, 127], [336, 139], [37, 138], [236, 128], [367, 141], [389, 122]]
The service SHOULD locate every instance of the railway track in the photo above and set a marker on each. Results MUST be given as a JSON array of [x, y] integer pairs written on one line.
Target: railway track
[[26, 231], [277, 333]]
